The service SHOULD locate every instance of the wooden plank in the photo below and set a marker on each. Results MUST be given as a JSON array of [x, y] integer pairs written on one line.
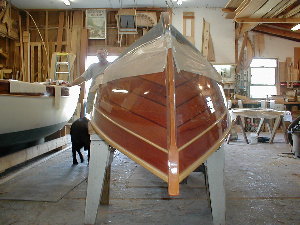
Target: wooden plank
[[211, 52], [265, 8], [32, 64], [297, 57], [258, 14], [278, 32], [205, 38], [251, 8], [46, 53], [292, 12], [283, 5], [259, 43], [68, 34], [289, 65], [241, 55], [26, 41], [282, 72], [52, 66], [228, 10], [19, 157], [21, 48], [83, 49], [39, 63], [250, 54], [233, 3], [60, 31], [267, 20], [242, 6]]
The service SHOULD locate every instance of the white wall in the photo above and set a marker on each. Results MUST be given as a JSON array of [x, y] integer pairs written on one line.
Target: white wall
[[280, 48], [221, 29]]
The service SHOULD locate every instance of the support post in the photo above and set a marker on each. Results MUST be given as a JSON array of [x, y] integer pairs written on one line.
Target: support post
[[215, 174], [99, 159]]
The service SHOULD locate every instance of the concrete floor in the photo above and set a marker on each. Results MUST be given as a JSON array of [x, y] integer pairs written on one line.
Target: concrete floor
[[262, 187]]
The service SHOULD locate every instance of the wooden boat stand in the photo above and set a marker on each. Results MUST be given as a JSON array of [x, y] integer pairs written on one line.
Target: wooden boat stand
[[99, 179]]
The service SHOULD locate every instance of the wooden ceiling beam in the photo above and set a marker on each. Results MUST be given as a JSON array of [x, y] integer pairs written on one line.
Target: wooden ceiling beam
[[228, 10], [283, 5], [279, 33], [292, 12], [233, 3], [244, 27], [267, 20], [251, 8]]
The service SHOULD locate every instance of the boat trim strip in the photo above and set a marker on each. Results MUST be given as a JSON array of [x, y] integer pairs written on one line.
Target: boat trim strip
[[131, 132], [155, 145], [201, 134]]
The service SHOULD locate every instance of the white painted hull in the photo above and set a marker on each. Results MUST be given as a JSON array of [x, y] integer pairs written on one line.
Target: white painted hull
[[22, 113]]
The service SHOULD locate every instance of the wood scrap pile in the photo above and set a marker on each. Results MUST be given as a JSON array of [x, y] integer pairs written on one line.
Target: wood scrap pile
[[289, 70]]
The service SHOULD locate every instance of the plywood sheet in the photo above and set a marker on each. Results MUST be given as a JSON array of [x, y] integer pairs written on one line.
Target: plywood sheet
[[297, 57], [60, 31], [282, 72]]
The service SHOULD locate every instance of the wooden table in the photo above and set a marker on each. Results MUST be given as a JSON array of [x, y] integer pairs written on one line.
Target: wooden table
[[263, 115]]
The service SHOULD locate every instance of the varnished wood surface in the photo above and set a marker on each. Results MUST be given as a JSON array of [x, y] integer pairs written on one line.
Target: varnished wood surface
[[135, 113], [5, 89], [173, 154]]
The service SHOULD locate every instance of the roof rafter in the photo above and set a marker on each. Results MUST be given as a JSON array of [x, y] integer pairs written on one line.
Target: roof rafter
[[267, 20], [295, 36]]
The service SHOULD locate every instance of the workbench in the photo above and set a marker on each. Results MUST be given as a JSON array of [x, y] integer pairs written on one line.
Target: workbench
[[263, 115]]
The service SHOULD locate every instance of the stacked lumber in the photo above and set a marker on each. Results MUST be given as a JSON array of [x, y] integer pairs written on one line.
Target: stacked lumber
[[255, 15]]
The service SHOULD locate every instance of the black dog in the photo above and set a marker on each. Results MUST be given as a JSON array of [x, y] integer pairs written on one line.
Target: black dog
[[80, 138]]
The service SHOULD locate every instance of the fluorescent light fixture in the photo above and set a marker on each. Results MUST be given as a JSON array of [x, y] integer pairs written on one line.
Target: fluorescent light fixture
[[297, 27], [67, 2]]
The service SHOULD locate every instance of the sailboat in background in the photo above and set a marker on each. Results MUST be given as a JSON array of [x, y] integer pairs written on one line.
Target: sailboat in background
[[32, 111]]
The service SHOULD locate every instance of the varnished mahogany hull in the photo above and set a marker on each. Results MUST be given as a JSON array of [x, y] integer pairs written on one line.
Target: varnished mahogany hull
[[132, 115]]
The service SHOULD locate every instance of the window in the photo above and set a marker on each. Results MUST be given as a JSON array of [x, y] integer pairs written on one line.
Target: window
[[263, 74], [94, 59]]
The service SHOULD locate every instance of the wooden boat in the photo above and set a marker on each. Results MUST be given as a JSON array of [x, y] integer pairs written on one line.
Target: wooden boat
[[29, 112], [162, 104]]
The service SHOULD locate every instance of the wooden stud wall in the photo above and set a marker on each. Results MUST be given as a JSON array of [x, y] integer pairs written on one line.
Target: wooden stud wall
[[56, 31]]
